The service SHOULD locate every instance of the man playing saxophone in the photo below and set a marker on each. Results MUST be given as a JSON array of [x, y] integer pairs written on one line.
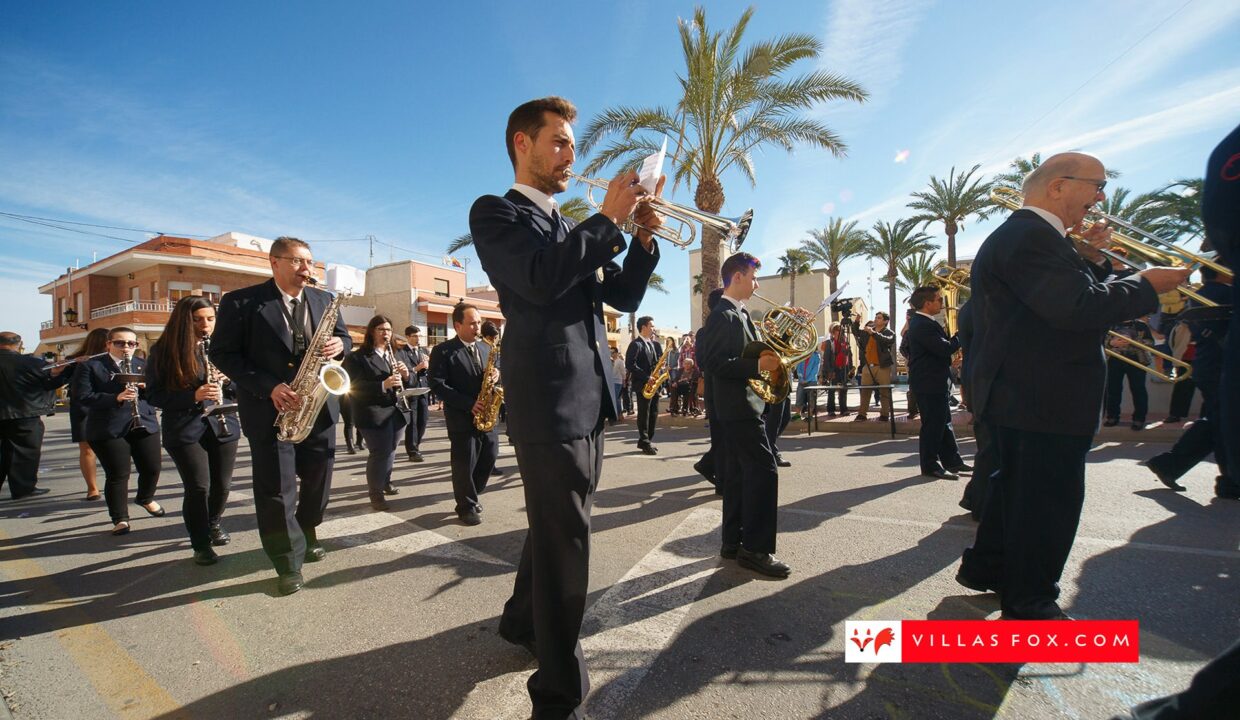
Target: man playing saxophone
[[456, 375], [642, 363], [263, 335]]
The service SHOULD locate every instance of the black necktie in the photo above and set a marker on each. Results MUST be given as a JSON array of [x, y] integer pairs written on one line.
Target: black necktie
[[558, 227], [473, 355], [298, 326]]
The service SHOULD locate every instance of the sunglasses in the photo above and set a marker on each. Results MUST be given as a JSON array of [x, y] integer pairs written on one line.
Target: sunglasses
[[125, 343]]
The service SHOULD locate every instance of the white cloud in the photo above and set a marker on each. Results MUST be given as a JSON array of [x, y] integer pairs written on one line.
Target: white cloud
[[865, 40]]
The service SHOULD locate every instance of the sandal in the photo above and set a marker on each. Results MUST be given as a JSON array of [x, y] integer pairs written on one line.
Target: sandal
[[92, 498], [121, 528], [158, 512]]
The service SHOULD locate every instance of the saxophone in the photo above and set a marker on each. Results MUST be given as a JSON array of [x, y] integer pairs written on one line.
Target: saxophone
[[491, 394], [659, 374], [317, 378]]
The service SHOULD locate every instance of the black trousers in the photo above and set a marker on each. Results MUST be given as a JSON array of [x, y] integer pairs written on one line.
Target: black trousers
[[776, 419], [1199, 441], [647, 415], [473, 458], [1213, 694], [1029, 522], [985, 464], [21, 446], [206, 469], [381, 445], [1182, 398], [936, 442], [838, 376], [549, 596], [712, 459], [114, 455], [287, 514], [1117, 371], [415, 430], [750, 486]]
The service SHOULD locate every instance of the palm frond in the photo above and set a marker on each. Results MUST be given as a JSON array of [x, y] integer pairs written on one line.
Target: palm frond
[[460, 243]]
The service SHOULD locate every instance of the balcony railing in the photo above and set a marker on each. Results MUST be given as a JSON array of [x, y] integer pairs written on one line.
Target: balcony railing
[[47, 324], [131, 306]]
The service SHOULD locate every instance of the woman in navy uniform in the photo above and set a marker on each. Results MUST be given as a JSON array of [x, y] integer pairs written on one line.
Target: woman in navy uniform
[[120, 426], [96, 342], [203, 447], [375, 376]]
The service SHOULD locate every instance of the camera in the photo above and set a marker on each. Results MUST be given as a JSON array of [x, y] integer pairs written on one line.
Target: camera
[[843, 306]]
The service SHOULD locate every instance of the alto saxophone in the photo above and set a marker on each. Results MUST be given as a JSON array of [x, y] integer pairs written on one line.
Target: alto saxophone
[[491, 394], [659, 374], [317, 378]]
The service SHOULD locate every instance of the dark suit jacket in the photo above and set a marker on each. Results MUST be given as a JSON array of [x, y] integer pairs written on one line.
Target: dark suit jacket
[[181, 415], [1040, 318], [964, 331], [640, 358], [929, 355], [25, 387], [556, 369], [372, 406], [97, 391], [411, 357], [720, 343], [456, 382], [252, 345]]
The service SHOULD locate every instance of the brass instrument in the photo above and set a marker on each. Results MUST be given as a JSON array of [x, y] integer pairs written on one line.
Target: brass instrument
[[131, 383], [660, 372], [952, 281], [491, 394], [732, 229], [317, 378], [214, 376], [788, 332], [67, 363]]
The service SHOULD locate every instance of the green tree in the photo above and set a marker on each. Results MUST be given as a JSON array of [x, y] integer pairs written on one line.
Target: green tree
[[951, 202], [792, 263], [654, 283], [832, 245], [1181, 207], [573, 208], [892, 243], [732, 102], [1019, 168], [916, 271]]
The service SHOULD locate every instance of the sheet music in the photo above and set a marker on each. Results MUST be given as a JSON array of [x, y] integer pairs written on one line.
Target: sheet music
[[652, 169], [345, 278], [830, 299]]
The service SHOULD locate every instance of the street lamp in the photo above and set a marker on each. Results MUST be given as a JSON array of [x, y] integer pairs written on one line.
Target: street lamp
[[71, 316]]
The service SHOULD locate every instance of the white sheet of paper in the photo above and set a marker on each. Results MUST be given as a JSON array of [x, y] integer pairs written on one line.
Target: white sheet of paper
[[830, 299], [652, 168], [346, 278]]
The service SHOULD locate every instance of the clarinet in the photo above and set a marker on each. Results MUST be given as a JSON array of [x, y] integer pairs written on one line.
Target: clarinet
[[215, 376], [402, 401], [135, 415]]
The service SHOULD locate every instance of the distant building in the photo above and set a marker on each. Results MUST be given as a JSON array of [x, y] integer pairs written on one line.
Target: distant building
[[422, 294], [611, 316]]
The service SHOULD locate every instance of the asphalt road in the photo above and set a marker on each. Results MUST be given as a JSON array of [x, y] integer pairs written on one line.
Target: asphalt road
[[399, 621]]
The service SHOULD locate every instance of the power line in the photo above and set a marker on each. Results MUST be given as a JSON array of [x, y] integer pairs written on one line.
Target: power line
[[104, 227], [33, 221]]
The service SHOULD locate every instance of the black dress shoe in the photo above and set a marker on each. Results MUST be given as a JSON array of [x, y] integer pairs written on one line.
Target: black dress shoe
[[160, 512], [701, 470], [315, 553], [219, 536], [781, 462], [764, 563], [1226, 489], [976, 581], [1173, 419], [379, 505], [32, 493], [416, 456], [389, 490], [471, 518], [1166, 480], [1110, 422], [941, 474], [648, 450], [496, 472], [1138, 426], [962, 467], [290, 583], [728, 551], [206, 556], [525, 642], [349, 449]]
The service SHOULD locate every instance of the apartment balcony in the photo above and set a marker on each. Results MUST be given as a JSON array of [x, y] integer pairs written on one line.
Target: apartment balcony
[[146, 317], [133, 307]]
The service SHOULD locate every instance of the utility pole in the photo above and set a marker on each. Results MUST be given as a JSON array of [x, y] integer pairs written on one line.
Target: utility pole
[[371, 239]]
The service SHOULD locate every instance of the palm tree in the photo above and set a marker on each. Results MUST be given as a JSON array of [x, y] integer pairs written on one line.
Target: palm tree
[[792, 263], [834, 244], [654, 283], [1021, 167], [1181, 204], [892, 243], [697, 284], [731, 103], [951, 202], [574, 208], [916, 271]]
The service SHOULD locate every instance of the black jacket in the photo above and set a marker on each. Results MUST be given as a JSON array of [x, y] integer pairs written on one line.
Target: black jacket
[[455, 380], [886, 340], [181, 415], [411, 356], [640, 359], [25, 387], [372, 405], [720, 343], [1040, 316], [97, 391], [929, 355], [552, 284], [252, 345]]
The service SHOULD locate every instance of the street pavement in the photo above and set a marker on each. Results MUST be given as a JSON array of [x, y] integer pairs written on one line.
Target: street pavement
[[400, 620]]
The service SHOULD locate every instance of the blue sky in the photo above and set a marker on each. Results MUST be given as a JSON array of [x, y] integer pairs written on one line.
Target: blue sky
[[330, 122]]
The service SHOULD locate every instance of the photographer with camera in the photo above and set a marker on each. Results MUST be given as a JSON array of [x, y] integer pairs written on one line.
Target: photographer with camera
[[877, 359]]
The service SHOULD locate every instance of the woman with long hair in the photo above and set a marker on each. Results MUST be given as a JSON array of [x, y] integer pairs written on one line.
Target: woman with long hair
[[375, 377], [120, 425], [96, 343], [201, 440]]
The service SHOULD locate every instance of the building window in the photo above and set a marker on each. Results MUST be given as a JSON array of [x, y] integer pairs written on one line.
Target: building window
[[178, 290], [212, 293], [154, 290], [441, 287], [134, 294], [60, 311], [78, 305], [436, 333]]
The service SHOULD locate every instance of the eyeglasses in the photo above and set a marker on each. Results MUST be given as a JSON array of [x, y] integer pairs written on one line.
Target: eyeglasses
[[296, 262], [1100, 184], [125, 343]]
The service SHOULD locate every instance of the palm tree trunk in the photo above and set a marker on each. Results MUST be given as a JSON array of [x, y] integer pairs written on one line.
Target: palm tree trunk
[[632, 326], [712, 248], [833, 274], [891, 298], [792, 290], [951, 244]]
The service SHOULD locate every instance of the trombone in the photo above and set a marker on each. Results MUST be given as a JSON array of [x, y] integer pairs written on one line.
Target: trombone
[[733, 229]]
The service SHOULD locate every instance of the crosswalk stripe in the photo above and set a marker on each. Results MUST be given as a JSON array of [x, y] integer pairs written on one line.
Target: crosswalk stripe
[[392, 533]]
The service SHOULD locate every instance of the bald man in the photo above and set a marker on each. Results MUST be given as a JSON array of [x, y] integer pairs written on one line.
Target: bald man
[[1041, 311]]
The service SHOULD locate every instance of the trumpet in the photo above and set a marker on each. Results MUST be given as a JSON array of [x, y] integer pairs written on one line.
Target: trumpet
[[733, 229]]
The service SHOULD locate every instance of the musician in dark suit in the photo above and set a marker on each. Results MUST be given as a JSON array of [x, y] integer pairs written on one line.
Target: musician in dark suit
[[930, 354], [375, 375], [639, 360], [417, 359], [203, 446], [1041, 314], [456, 374], [553, 277], [120, 426], [986, 459], [260, 343], [710, 466], [25, 397], [750, 484]]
